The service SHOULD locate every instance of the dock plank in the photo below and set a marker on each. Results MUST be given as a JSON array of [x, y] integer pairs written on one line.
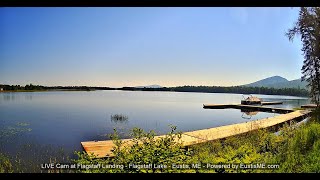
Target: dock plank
[[104, 148], [235, 129]]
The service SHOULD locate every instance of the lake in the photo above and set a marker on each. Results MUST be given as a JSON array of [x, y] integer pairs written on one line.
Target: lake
[[62, 119]]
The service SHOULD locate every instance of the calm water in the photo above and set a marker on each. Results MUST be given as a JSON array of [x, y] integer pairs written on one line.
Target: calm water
[[64, 119]]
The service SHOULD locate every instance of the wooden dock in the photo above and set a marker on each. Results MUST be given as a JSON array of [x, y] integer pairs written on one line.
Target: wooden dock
[[248, 107], [309, 106], [104, 148]]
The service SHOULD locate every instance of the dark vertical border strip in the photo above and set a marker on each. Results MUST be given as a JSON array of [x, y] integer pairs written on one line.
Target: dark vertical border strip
[[159, 3]]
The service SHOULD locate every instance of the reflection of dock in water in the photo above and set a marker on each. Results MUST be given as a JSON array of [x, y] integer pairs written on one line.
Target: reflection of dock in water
[[247, 114]]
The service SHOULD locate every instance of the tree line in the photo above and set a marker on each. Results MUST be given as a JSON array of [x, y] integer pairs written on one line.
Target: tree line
[[204, 89], [232, 89], [21, 88], [31, 87]]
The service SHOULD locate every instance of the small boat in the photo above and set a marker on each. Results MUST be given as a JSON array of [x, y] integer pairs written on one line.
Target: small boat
[[251, 100]]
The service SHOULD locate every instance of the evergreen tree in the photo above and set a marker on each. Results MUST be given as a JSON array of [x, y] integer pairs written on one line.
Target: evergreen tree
[[308, 26]]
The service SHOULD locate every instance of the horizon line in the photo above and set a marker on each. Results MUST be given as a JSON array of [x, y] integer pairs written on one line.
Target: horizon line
[[151, 84]]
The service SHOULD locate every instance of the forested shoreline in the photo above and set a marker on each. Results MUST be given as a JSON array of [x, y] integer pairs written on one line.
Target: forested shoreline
[[232, 89], [203, 89]]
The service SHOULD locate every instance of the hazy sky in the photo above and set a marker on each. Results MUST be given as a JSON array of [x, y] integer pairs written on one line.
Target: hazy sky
[[142, 46]]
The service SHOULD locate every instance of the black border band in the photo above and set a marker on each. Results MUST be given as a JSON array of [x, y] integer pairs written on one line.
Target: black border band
[[159, 3]]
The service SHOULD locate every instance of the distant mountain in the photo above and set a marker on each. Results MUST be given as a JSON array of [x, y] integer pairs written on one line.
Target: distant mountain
[[268, 81], [150, 86], [297, 83], [278, 82]]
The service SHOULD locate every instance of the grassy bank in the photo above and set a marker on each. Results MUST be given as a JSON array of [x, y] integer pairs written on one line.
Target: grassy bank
[[293, 150]]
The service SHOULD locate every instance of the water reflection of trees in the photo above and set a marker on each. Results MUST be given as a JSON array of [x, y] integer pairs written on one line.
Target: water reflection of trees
[[15, 96], [28, 97], [9, 97]]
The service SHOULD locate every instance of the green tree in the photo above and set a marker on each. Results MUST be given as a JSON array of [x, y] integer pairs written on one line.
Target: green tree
[[308, 26]]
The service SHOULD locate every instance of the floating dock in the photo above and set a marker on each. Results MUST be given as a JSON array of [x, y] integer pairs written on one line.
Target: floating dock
[[104, 148], [309, 106], [248, 107], [271, 103]]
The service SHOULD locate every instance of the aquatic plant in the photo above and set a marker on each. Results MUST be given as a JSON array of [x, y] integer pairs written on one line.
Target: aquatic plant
[[119, 118], [18, 128]]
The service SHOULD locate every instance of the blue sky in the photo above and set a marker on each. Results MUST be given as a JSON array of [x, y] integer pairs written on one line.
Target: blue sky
[[141, 46]]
